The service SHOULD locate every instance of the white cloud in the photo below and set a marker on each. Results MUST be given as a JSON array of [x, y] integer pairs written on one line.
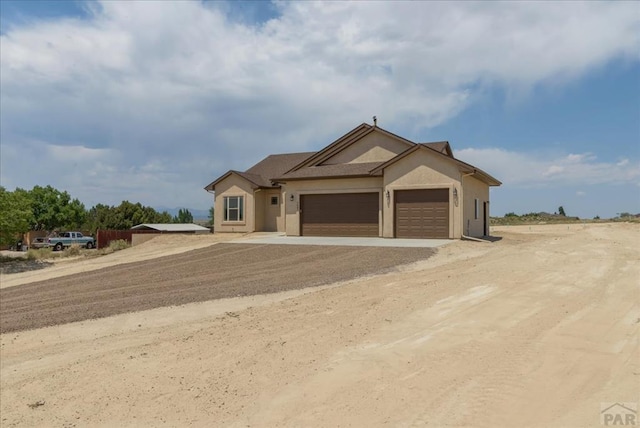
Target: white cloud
[[581, 193], [177, 91], [534, 170]]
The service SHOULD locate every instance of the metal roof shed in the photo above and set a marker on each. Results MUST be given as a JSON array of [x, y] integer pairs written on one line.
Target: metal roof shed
[[172, 228]]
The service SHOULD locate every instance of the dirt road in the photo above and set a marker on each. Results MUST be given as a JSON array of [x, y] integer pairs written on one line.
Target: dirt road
[[537, 329], [219, 271]]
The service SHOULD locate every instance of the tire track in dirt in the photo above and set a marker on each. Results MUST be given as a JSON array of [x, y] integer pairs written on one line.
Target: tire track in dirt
[[220, 271]]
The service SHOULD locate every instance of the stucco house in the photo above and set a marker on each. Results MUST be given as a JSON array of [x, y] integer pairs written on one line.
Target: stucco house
[[368, 182]]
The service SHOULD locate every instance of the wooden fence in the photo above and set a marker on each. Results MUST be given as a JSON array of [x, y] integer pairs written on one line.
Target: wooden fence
[[104, 237]]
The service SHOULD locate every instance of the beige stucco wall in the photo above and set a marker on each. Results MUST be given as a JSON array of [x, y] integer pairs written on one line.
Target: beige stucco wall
[[234, 186], [474, 189], [422, 170], [346, 185], [373, 147]]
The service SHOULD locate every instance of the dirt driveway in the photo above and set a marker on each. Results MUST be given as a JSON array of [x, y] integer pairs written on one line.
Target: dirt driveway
[[537, 330], [219, 271]]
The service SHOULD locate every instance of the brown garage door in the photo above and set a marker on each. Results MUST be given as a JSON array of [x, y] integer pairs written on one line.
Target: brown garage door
[[344, 214], [422, 213]]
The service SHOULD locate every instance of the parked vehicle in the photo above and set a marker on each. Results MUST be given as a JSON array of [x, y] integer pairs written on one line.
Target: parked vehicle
[[67, 239], [39, 243]]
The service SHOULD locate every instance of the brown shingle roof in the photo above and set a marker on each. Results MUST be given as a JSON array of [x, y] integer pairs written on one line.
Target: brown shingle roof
[[274, 166], [332, 171], [262, 173], [440, 146]]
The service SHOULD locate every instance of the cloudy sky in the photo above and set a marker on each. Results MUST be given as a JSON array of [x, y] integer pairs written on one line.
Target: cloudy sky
[[151, 101]]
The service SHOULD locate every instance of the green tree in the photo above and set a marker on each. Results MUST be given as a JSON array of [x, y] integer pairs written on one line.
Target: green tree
[[99, 216], [184, 216], [53, 209], [211, 216], [124, 216], [561, 211], [16, 216]]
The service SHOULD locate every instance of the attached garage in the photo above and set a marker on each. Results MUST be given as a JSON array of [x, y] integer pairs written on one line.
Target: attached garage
[[344, 214], [422, 213]]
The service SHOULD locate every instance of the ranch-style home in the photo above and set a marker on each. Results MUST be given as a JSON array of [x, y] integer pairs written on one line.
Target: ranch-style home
[[368, 182]]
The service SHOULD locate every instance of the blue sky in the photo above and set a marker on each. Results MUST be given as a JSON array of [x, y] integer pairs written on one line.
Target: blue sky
[[150, 101]]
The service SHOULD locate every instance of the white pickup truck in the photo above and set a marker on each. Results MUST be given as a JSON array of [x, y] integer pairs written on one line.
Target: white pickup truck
[[67, 239]]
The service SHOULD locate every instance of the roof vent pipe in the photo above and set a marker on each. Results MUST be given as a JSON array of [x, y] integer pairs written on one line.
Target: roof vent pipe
[[375, 121]]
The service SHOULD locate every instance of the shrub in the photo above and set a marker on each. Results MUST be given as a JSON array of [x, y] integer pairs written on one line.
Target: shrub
[[32, 254], [41, 254], [119, 244], [73, 250]]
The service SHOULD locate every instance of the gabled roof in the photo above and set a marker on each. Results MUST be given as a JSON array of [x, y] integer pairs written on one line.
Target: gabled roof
[[345, 170], [465, 167], [260, 174], [275, 169], [170, 227], [440, 146], [275, 165], [345, 141]]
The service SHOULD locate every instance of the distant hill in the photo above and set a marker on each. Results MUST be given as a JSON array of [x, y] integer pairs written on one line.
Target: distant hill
[[545, 218]]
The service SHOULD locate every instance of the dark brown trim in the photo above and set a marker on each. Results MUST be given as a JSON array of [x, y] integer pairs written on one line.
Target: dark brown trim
[[356, 133], [468, 168], [329, 177], [345, 141], [239, 174]]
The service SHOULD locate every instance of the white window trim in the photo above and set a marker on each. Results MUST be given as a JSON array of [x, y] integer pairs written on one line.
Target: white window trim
[[226, 209]]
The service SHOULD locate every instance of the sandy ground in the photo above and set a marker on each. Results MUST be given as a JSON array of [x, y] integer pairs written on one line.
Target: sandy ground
[[159, 246], [537, 329]]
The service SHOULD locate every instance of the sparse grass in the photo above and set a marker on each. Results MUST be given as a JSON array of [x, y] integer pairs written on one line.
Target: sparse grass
[[511, 219], [71, 251], [119, 244], [38, 258], [44, 254], [7, 259]]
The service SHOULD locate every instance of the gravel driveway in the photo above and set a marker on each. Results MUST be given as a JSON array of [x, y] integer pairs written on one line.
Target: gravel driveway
[[219, 271]]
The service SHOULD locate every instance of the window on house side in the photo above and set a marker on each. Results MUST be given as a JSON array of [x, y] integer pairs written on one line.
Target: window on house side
[[274, 200], [233, 208], [477, 209]]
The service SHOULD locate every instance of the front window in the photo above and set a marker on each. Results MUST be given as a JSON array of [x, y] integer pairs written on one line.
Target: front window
[[233, 208]]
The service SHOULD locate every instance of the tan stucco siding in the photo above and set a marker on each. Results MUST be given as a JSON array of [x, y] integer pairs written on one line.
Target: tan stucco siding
[[297, 188], [474, 189], [234, 186], [421, 170], [373, 147]]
